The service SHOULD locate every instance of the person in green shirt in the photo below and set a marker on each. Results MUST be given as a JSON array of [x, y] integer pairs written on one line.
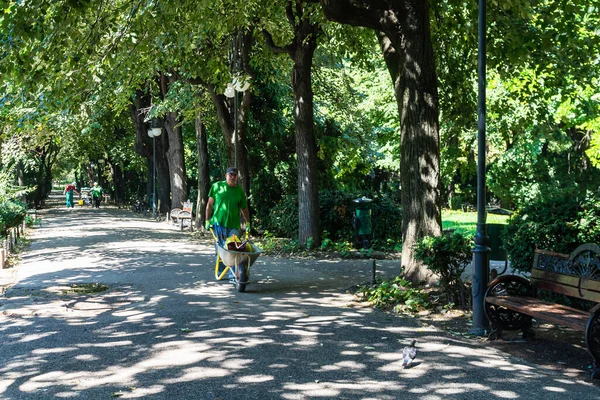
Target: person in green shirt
[[226, 199], [96, 192]]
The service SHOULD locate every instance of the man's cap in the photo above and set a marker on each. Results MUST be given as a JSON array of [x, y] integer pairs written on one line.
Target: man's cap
[[232, 170], [74, 183]]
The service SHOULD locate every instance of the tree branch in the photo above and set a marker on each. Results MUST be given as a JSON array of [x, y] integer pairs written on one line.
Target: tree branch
[[273, 47], [367, 13]]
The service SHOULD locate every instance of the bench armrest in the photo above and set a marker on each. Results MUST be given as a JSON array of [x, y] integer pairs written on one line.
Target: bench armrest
[[510, 285]]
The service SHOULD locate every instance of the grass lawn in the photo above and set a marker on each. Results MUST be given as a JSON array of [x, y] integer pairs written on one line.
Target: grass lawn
[[467, 221]]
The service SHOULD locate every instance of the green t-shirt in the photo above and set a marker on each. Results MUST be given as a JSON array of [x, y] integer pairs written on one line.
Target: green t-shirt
[[228, 203], [96, 191]]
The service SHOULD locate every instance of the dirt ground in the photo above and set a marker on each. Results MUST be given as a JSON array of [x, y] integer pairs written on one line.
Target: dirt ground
[[555, 347]]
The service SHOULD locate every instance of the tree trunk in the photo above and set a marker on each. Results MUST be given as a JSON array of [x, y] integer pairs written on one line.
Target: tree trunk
[[143, 146], [47, 155], [20, 172], [404, 34], [225, 115], [306, 146], [228, 108], [176, 161], [175, 153], [203, 174], [581, 143], [163, 176], [149, 182], [117, 174], [301, 50]]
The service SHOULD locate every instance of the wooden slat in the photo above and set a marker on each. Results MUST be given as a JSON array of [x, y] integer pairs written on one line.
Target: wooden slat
[[552, 253], [568, 291], [566, 284], [569, 280], [557, 313]]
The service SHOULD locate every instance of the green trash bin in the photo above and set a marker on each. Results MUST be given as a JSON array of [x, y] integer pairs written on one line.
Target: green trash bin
[[363, 228], [495, 243]]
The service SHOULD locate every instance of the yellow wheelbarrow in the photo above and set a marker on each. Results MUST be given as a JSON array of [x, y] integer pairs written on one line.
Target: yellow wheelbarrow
[[239, 261]]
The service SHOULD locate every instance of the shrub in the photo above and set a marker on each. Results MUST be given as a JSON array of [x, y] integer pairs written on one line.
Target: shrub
[[447, 256], [283, 218], [397, 293], [387, 220], [556, 221], [12, 213], [337, 213]]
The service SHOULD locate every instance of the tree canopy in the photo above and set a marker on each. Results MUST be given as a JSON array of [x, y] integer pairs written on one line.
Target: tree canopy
[[390, 103]]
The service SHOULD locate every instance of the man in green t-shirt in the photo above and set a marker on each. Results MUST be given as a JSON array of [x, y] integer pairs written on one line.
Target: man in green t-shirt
[[96, 192], [225, 201]]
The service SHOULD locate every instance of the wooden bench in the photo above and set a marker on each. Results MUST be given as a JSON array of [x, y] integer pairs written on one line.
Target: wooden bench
[[174, 214], [179, 215], [511, 301]]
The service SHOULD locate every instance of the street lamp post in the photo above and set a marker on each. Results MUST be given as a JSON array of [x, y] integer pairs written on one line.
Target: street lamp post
[[154, 132], [481, 252]]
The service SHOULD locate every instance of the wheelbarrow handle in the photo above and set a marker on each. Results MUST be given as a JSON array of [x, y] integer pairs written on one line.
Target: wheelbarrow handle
[[213, 233]]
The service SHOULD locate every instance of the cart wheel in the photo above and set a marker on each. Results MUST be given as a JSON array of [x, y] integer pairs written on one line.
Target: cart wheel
[[240, 283]]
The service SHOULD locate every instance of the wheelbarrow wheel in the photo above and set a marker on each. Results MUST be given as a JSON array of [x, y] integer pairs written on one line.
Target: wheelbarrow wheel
[[242, 280]]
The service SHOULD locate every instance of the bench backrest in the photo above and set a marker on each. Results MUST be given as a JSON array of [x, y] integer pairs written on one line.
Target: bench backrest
[[575, 275]]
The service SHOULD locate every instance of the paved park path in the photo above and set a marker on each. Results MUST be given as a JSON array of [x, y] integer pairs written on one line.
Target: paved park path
[[165, 329]]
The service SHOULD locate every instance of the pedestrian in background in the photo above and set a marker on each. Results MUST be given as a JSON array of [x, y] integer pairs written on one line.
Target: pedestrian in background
[[96, 192], [68, 192]]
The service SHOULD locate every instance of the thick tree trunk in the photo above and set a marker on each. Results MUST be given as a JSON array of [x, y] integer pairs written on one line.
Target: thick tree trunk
[[404, 34], [301, 51], [143, 144], [117, 174], [203, 174], [175, 158], [51, 155], [47, 155], [306, 146], [175, 153]]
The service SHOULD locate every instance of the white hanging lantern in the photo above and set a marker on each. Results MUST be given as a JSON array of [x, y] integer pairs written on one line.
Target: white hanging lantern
[[241, 85], [229, 92], [155, 129]]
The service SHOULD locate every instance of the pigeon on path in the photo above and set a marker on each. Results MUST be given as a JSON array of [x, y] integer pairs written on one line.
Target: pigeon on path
[[408, 354]]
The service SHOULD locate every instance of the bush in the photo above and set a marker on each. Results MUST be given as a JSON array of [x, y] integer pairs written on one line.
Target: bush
[[556, 221], [283, 218], [337, 213], [387, 220], [447, 256], [397, 293], [12, 213]]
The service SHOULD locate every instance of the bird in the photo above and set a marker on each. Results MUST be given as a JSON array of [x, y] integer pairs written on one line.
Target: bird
[[408, 354]]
